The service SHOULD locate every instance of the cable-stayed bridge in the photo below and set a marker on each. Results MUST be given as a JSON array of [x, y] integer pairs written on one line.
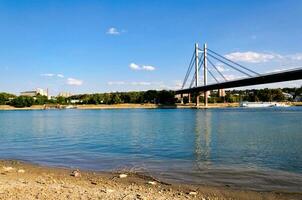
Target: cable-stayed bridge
[[203, 59]]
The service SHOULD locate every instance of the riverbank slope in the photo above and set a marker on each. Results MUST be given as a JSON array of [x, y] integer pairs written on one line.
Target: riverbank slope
[[20, 180]]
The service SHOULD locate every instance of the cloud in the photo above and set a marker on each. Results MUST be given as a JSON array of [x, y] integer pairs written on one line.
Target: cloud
[[48, 75], [221, 68], [135, 66], [252, 57], [53, 75], [133, 83], [116, 83], [141, 83], [282, 69], [297, 56], [148, 68], [113, 31], [73, 81]]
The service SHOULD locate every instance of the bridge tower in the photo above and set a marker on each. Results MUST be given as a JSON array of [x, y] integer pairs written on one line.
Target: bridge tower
[[205, 73], [196, 72]]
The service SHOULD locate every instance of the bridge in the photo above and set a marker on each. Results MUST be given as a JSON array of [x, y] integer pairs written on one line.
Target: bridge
[[201, 58]]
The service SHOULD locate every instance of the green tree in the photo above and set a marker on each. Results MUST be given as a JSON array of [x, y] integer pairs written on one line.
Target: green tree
[[22, 101], [5, 98]]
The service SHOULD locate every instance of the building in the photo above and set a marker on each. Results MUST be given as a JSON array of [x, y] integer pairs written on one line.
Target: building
[[34, 93], [287, 95], [65, 94]]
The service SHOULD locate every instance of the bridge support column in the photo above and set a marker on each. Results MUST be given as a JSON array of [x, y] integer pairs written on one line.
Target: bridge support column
[[189, 97], [197, 99], [181, 99], [205, 95]]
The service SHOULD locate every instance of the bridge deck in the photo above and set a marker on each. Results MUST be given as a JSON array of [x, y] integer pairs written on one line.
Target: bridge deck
[[263, 79]]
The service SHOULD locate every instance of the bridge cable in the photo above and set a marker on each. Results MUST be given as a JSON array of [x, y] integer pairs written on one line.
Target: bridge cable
[[212, 75], [200, 64], [234, 62], [217, 69], [189, 70], [229, 65]]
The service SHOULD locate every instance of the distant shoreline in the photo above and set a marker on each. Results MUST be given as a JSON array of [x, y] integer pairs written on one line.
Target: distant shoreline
[[117, 106], [130, 106], [19, 180]]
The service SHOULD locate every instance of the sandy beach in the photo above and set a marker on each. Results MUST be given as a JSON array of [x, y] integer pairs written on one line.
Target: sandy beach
[[19, 180]]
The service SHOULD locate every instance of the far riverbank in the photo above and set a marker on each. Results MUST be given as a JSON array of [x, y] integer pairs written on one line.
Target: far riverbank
[[130, 106]]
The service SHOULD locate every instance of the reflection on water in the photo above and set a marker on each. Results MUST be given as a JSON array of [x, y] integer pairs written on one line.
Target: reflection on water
[[251, 148], [202, 139]]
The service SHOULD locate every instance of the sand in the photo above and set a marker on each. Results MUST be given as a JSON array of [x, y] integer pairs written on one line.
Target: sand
[[20, 180]]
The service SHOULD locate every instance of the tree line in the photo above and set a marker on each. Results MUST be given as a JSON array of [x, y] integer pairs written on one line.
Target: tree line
[[163, 97]]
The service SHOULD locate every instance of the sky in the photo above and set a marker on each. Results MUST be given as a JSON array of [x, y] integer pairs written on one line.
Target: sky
[[94, 46]]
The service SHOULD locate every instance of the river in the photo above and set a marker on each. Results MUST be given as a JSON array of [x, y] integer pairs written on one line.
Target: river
[[258, 149]]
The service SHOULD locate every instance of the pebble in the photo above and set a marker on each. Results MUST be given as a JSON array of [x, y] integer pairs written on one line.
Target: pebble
[[21, 171], [193, 193], [152, 182], [109, 190], [123, 175], [76, 173], [93, 183], [7, 169]]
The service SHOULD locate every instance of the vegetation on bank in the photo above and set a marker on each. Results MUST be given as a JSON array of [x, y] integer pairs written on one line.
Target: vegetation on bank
[[163, 97]]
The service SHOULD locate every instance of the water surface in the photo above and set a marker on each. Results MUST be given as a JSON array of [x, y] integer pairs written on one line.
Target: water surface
[[251, 148]]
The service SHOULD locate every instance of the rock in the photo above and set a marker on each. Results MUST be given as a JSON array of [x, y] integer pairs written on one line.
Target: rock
[[21, 171], [123, 175], [107, 190], [193, 193], [76, 173], [7, 169], [151, 182], [93, 182]]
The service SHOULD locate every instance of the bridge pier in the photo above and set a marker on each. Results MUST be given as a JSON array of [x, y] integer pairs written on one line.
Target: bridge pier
[[197, 99], [205, 95]]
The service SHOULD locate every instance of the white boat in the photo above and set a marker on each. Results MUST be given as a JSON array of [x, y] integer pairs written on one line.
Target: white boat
[[261, 104], [70, 107]]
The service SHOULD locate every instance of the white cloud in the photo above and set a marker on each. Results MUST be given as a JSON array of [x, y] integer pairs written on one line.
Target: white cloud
[[134, 83], [148, 68], [282, 69], [135, 66], [48, 75], [73, 81], [113, 31], [141, 83], [53, 75], [116, 83], [252, 57], [221, 68], [297, 56]]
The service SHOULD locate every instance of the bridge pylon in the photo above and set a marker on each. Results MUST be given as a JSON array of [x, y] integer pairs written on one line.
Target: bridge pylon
[[205, 73], [196, 72]]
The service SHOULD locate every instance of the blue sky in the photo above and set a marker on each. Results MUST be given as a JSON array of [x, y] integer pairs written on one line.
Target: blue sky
[[98, 46]]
